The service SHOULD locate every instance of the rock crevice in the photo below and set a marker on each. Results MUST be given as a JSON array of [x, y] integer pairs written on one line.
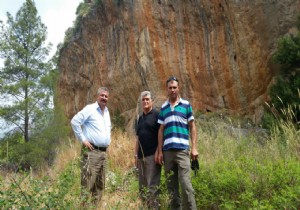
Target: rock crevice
[[219, 49]]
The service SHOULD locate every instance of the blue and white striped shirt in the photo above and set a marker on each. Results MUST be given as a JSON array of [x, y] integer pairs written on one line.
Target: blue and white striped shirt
[[176, 124]]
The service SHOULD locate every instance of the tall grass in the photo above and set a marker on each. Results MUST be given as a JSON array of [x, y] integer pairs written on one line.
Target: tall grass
[[237, 171], [122, 188], [244, 172]]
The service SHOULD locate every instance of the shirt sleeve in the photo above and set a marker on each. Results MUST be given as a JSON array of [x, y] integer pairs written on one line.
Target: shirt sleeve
[[190, 113], [156, 117], [160, 119], [77, 121]]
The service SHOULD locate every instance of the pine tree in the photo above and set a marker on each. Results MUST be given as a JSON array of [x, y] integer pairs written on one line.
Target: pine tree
[[22, 79]]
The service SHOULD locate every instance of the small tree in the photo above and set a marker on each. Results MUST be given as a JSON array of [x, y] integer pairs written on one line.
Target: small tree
[[285, 93], [22, 79]]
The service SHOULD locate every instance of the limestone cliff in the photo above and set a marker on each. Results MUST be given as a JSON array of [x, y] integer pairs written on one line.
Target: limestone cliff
[[219, 49]]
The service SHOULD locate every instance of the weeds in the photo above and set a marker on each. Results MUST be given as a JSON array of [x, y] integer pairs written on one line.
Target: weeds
[[236, 172]]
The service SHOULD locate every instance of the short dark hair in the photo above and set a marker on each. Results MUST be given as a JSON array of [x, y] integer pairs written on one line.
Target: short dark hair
[[172, 78]]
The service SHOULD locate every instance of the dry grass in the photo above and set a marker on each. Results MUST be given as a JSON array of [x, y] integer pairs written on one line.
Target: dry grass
[[66, 153], [120, 162], [123, 194], [120, 200], [121, 151]]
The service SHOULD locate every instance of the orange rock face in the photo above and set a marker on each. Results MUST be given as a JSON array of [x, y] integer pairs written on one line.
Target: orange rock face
[[219, 49]]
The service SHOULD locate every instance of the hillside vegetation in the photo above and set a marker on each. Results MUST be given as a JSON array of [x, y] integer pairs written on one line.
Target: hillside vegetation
[[241, 166], [238, 170]]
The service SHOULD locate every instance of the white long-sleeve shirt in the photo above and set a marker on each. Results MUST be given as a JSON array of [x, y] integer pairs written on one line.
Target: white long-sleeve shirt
[[92, 125]]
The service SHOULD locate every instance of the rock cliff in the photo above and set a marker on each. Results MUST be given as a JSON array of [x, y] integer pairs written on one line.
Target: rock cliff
[[219, 49]]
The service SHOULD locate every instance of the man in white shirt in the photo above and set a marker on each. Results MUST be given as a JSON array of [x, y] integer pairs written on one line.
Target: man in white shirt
[[92, 127]]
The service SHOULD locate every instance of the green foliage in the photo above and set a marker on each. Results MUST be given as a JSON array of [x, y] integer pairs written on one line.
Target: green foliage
[[50, 130], [235, 173], [243, 173], [82, 10], [248, 184], [98, 2], [164, 197], [68, 36], [6, 150], [268, 120], [43, 193], [30, 88], [25, 72], [118, 120], [288, 52], [285, 92]]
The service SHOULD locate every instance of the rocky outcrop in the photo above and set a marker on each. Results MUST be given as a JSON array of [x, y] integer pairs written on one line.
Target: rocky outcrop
[[219, 49]]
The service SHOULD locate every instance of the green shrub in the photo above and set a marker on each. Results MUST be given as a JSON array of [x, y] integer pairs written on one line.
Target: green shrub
[[42, 193], [16, 154], [118, 120], [248, 184], [268, 120], [285, 92], [235, 173]]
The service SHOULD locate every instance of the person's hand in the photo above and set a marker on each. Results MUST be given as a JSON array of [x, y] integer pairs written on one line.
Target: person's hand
[[88, 145], [159, 157], [194, 154]]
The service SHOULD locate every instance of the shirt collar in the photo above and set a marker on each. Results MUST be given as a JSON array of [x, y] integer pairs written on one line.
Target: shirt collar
[[148, 112], [96, 105], [180, 100]]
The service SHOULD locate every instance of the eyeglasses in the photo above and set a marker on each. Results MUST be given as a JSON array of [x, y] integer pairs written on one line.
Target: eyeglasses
[[172, 78]]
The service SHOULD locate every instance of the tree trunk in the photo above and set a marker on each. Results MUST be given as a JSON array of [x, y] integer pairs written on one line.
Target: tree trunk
[[26, 123]]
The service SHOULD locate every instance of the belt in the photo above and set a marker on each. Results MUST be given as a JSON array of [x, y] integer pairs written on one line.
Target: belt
[[175, 149], [99, 148]]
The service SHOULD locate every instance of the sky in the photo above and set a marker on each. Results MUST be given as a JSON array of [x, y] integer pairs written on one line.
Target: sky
[[57, 15]]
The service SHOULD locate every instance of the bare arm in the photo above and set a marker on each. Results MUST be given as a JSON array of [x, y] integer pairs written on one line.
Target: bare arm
[[193, 135], [136, 151], [158, 153]]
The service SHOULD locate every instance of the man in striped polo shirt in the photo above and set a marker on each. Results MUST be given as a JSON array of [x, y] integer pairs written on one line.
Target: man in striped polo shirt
[[176, 126]]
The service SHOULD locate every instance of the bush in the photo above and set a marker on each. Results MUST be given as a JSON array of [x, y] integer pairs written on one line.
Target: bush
[[49, 133], [248, 184], [268, 120], [27, 192], [242, 173], [118, 121], [235, 173], [285, 92]]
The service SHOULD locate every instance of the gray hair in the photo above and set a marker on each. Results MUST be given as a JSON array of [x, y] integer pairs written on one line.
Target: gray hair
[[102, 89], [146, 93]]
